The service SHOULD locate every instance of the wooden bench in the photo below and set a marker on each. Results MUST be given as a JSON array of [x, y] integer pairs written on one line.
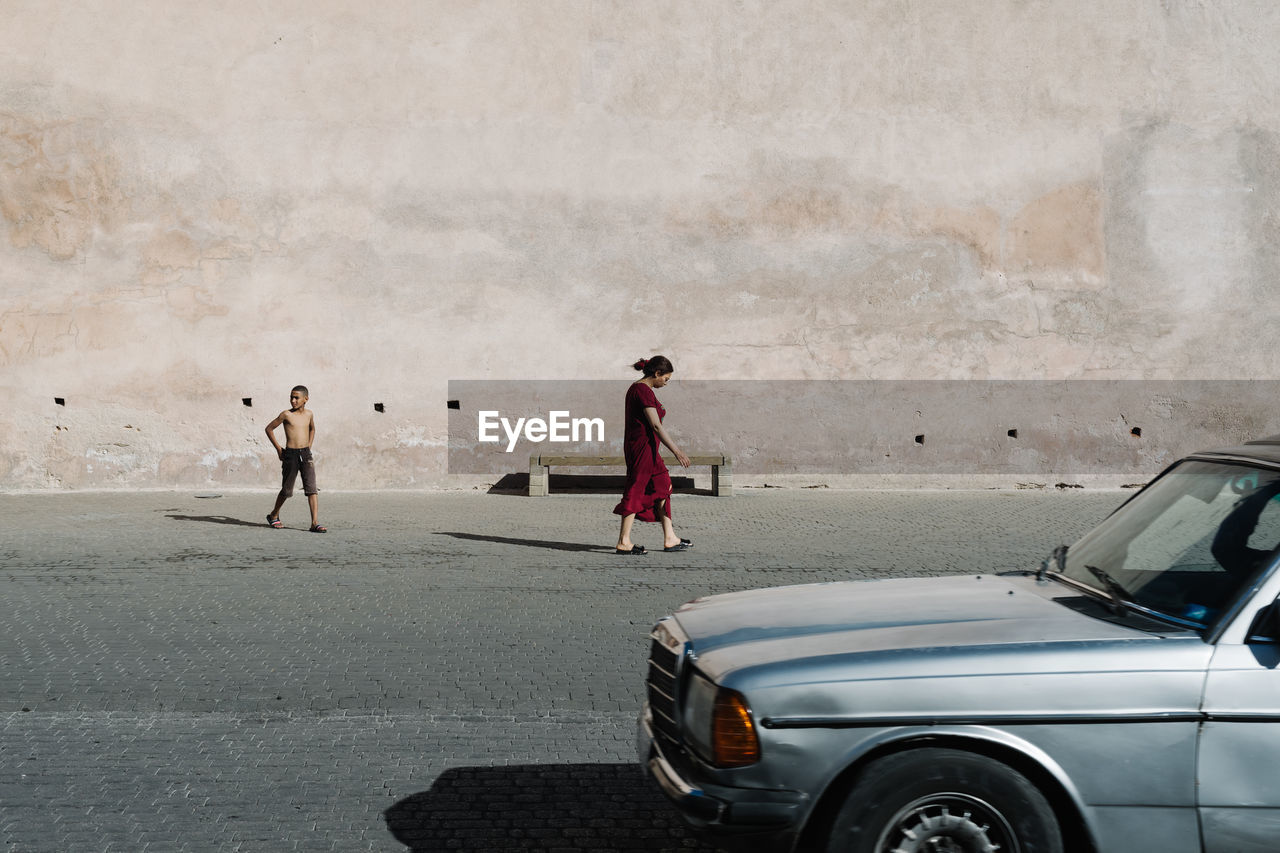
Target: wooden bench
[[540, 466]]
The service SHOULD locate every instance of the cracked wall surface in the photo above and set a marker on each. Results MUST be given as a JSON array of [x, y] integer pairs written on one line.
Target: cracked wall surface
[[202, 204]]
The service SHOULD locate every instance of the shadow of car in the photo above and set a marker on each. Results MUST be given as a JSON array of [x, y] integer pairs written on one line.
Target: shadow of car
[[540, 807]]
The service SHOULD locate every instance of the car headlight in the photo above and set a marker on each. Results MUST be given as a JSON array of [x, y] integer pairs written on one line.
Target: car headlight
[[719, 724]]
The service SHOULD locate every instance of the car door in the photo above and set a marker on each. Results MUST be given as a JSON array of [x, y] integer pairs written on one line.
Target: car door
[[1239, 762], [1239, 750]]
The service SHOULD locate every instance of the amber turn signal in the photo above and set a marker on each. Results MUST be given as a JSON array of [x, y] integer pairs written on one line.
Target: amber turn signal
[[733, 734]]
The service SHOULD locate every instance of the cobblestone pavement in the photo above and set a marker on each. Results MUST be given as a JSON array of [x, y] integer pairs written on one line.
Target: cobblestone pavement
[[440, 671]]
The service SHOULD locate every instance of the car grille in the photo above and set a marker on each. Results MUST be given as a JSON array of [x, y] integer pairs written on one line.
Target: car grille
[[661, 684]]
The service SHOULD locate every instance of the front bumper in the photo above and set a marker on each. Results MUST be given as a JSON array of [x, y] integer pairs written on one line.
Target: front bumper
[[756, 819]]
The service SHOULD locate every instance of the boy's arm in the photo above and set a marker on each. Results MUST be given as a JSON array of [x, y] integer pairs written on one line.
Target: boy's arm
[[271, 434], [311, 431]]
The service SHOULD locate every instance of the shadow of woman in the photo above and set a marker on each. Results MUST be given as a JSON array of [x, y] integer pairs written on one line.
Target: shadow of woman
[[541, 807], [532, 543]]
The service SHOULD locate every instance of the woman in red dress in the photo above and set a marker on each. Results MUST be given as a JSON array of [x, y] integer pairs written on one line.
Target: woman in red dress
[[648, 492]]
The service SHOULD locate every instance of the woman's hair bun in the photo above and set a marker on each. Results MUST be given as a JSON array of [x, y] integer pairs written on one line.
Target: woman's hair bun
[[654, 365]]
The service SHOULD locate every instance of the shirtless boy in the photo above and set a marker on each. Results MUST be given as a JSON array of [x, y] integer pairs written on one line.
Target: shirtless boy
[[295, 456]]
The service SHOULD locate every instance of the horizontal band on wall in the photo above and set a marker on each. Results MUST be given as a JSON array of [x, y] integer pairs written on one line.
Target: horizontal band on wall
[[1012, 427]]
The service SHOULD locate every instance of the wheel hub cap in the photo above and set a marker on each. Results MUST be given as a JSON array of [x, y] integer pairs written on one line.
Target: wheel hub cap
[[948, 823]]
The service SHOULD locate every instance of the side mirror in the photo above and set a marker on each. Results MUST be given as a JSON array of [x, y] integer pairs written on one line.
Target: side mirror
[[1266, 625]]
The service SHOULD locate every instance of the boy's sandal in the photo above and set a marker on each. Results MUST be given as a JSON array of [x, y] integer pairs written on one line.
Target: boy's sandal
[[275, 521], [683, 546], [635, 549], [319, 528], [688, 543]]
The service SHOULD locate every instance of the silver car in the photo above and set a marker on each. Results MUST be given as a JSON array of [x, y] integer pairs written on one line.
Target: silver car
[[1124, 698]]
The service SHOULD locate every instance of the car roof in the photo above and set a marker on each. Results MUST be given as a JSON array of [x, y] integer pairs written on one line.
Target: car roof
[[1264, 450]]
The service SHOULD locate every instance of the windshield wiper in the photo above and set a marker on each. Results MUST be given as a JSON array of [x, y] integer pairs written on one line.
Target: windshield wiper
[[1119, 595], [1120, 599]]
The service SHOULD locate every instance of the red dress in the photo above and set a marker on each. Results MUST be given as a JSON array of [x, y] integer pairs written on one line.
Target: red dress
[[648, 480]]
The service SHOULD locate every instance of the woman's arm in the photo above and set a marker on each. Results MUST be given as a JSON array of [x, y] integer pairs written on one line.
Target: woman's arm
[[656, 422]]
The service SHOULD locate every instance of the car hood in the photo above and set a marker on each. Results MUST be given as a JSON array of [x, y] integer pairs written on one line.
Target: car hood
[[944, 616]]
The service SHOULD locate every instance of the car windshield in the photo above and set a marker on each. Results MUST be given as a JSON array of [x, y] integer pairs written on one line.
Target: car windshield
[[1188, 544]]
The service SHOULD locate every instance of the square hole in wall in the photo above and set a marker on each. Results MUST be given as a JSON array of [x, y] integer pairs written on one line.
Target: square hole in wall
[[378, 407], [59, 401], [455, 404], [248, 401]]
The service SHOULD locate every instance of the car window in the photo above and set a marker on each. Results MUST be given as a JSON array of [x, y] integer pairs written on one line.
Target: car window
[[1268, 533], [1180, 537], [1189, 543]]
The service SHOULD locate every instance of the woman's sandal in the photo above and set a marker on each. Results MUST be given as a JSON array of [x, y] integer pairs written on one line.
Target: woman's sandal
[[635, 549], [319, 528], [275, 521]]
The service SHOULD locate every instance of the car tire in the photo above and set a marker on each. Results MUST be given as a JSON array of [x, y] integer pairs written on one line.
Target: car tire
[[944, 800]]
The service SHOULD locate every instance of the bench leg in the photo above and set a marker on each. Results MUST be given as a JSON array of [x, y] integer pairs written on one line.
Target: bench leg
[[539, 480], [722, 481]]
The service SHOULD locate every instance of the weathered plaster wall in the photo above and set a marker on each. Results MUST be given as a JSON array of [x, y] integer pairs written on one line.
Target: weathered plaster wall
[[202, 202]]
